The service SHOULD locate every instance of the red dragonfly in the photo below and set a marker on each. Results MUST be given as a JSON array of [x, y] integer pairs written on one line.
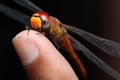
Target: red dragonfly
[[57, 31]]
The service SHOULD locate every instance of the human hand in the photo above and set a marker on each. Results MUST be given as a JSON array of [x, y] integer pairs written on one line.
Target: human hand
[[40, 58]]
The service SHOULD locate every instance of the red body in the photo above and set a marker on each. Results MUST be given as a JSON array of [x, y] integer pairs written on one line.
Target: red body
[[54, 29]]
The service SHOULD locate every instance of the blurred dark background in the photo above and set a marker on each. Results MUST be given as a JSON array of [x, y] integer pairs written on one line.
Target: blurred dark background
[[96, 16]]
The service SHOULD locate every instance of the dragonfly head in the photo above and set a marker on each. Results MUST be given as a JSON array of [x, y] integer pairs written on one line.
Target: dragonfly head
[[40, 21]]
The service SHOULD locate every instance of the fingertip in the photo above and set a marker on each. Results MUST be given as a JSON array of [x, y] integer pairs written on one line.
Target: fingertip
[[26, 46], [40, 58], [30, 45]]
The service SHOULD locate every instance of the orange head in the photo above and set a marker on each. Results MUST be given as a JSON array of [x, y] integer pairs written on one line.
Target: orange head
[[40, 21]]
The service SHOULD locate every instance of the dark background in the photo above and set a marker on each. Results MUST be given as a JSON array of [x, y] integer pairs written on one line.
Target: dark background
[[96, 16]]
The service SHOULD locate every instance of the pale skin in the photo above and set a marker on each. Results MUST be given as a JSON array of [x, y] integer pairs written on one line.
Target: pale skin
[[40, 59]]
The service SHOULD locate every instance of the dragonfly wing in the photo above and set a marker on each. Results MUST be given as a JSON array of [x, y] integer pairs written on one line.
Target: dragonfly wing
[[22, 18], [28, 4], [102, 65], [110, 47]]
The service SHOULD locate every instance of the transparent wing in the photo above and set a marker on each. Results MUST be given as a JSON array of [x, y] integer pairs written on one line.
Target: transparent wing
[[28, 4], [22, 18], [110, 47], [103, 66]]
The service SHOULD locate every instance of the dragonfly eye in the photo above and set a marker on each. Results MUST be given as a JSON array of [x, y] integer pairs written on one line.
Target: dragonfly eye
[[36, 21], [40, 21]]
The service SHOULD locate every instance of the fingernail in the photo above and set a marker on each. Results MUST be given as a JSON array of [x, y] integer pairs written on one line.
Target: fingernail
[[26, 49]]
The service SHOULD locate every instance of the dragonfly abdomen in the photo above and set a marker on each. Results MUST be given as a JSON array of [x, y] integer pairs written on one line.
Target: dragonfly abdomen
[[66, 44]]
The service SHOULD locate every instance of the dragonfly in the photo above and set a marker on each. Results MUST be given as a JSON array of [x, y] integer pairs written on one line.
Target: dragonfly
[[108, 46]]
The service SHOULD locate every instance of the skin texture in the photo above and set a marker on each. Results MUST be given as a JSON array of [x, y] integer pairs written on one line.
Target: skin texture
[[40, 58]]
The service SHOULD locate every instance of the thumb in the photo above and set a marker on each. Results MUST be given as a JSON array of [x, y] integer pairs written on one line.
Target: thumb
[[40, 59]]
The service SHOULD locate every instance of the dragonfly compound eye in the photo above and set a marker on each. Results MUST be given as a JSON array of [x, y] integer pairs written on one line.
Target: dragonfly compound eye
[[40, 21]]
